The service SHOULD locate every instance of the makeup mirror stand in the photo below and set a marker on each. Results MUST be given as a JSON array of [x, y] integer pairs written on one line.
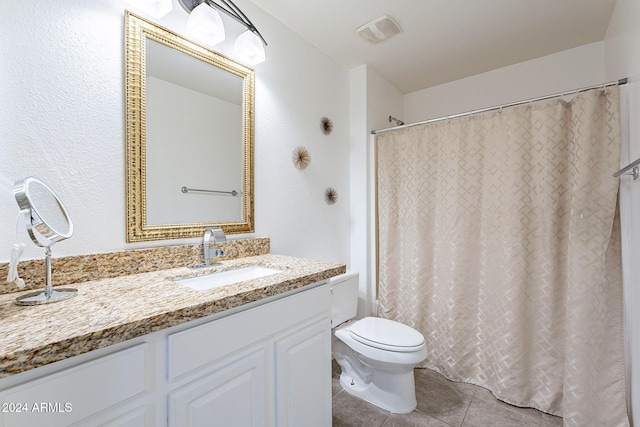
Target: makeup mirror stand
[[49, 294], [47, 221], [48, 288]]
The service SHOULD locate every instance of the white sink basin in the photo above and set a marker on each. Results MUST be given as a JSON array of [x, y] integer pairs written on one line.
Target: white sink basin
[[223, 278]]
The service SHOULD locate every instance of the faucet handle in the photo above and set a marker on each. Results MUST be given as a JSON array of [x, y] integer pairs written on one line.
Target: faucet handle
[[218, 235]]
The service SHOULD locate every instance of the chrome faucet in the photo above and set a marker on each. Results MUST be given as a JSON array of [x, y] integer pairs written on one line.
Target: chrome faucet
[[218, 237]]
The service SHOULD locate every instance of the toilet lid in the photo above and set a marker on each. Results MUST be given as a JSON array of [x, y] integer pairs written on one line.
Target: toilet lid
[[386, 334]]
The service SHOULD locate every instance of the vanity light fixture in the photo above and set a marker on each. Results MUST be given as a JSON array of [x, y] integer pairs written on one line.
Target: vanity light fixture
[[205, 25], [154, 8], [249, 48]]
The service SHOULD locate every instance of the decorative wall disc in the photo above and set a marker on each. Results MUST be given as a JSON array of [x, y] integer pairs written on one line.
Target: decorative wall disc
[[301, 157], [327, 125], [331, 195]]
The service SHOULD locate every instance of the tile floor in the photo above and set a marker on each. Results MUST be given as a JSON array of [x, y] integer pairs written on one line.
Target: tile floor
[[441, 403]]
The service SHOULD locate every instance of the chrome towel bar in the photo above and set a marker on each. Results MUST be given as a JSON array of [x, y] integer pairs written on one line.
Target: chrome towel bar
[[632, 169], [195, 190]]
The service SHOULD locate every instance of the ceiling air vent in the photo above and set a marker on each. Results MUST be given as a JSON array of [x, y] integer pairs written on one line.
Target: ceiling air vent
[[379, 29]]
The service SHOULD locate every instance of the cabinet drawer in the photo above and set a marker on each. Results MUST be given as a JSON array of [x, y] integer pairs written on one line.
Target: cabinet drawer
[[75, 393], [195, 347]]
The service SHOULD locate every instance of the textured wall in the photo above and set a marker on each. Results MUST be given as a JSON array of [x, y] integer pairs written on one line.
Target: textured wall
[[61, 115], [62, 120]]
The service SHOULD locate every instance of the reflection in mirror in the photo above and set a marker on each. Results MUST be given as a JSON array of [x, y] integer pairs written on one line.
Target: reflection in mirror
[[47, 207], [47, 222], [194, 134], [189, 137]]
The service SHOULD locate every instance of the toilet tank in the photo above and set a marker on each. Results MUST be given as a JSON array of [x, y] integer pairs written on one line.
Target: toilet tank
[[344, 297]]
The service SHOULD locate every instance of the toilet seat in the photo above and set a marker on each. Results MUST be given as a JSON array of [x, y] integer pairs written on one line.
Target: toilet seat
[[386, 334]]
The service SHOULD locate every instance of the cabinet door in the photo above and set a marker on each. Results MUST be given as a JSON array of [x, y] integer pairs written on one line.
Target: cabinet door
[[232, 395], [74, 394], [303, 376]]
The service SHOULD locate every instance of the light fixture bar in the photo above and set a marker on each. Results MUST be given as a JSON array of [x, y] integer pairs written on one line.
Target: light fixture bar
[[229, 9]]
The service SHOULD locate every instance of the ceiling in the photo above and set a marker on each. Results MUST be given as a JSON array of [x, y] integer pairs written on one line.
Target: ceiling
[[444, 40]]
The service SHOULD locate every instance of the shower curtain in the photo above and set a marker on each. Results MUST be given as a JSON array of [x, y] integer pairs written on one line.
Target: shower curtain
[[498, 239]]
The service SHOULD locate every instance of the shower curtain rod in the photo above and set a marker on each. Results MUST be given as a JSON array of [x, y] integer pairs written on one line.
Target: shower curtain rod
[[497, 107]]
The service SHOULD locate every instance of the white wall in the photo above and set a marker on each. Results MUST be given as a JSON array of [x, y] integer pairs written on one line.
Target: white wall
[[373, 100], [362, 243], [62, 120], [622, 59], [571, 69]]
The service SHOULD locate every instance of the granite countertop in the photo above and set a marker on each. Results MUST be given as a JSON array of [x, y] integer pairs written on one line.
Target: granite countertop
[[109, 311]]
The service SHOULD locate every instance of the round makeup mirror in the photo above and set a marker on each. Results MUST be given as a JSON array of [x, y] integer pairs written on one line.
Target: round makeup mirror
[[45, 213], [47, 222]]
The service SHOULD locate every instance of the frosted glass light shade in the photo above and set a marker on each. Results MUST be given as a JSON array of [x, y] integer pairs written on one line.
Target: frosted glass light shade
[[155, 8], [205, 25], [249, 48]]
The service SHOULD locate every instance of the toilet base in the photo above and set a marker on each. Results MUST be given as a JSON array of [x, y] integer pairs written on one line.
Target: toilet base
[[379, 376], [392, 391]]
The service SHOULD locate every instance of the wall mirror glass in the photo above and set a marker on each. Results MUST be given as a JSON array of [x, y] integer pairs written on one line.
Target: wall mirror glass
[[189, 123]]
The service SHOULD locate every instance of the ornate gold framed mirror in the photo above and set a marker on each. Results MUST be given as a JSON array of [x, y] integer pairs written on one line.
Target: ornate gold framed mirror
[[189, 137]]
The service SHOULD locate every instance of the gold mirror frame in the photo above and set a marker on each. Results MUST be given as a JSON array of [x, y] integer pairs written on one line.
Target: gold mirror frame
[[137, 31]]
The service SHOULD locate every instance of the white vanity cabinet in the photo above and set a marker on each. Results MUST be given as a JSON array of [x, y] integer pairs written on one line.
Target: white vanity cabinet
[[235, 394], [268, 364], [303, 376], [78, 392]]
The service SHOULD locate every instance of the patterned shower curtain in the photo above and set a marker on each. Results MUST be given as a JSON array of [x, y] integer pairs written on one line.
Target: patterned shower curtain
[[499, 241]]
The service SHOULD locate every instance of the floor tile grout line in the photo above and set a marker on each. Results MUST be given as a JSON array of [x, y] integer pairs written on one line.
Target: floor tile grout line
[[515, 409], [473, 394], [385, 420], [467, 411], [435, 418]]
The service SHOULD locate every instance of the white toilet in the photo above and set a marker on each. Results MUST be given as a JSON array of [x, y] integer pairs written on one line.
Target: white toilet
[[377, 356]]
